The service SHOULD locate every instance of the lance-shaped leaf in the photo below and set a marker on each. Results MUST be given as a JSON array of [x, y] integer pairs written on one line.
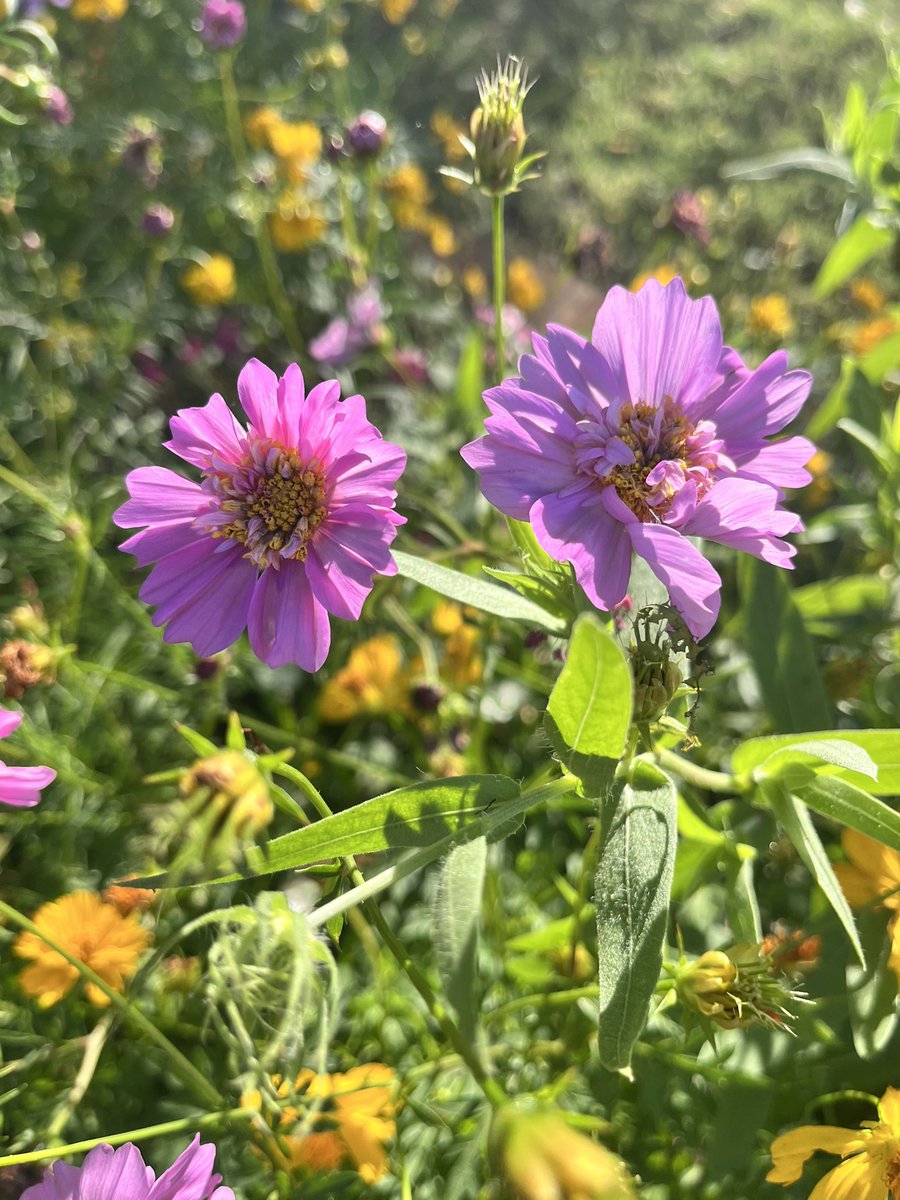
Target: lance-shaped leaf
[[872, 991], [880, 750], [589, 712], [456, 916], [632, 888]]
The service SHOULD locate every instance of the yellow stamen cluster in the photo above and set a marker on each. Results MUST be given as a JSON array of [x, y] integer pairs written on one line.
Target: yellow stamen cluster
[[285, 510], [630, 481]]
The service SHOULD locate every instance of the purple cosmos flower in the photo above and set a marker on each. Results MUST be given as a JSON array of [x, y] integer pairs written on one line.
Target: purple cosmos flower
[[650, 433], [222, 23], [121, 1173], [344, 337], [289, 522], [20, 786]]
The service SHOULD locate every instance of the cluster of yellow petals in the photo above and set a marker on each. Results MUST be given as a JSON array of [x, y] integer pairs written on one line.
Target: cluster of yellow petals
[[409, 197], [351, 1117], [395, 12], [868, 294], [374, 680], [94, 932], [99, 10], [461, 664], [296, 224], [663, 274], [448, 129], [871, 1154], [872, 874], [211, 281], [770, 316], [524, 288]]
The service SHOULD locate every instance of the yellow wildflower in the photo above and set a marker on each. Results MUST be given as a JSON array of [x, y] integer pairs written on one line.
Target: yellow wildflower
[[408, 184], [448, 130], [475, 283], [663, 274], [259, 124], [309, 6], [210, 282], [358, 1109], [860, 339], [373, 681], [770, 316], [871, 1155], [129, 899], [868, 295], [299, 142], [446, 618], [396, 11], [98, 10], [461, 664], [296, 225], [523, 285], [873, 873], [440, 235], [92, 931]]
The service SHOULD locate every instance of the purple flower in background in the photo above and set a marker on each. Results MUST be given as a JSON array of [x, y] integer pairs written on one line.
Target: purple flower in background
[[148, 366], [222, 23], [292, 517], [158, 220], [20, 787], [689, 217], [367, 135], [56, 107], [650, 433], [29, 9], [122, 1173], [344, 337]]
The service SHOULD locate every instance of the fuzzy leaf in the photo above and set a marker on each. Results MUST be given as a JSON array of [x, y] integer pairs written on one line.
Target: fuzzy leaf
[[456, 915]]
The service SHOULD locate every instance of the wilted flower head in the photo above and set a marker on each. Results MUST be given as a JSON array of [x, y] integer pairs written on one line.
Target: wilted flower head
[[122, 1173], [222, 23], [738, 987], [871, 1155], [649, 434], [229, 795], [92, 931], [367, 135], [20, 787], [539, 1156], [498, 129], [292, 517], [24, 665]]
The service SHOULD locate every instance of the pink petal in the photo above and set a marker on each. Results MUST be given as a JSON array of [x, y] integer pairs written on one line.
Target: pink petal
[[781, 464], [9, 722], [317, 421], [160, 540], [21, 786], [577, 529], [340, 581], [692, 582], [290, 397], [159, 496], [286, 623], [200, 433], [60, 1182], [108, 1174], [189, 1176], [258, 393]]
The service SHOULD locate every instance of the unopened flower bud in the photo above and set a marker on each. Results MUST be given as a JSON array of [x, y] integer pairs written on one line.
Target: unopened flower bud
[[229, 789], [158, 220], [539, 1157], [367, 135], [738, 987], [223, 23], [498, 129]]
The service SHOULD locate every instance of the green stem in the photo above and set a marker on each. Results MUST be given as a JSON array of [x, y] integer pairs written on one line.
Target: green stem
[[182, 1065], [194, 1123], [499, 284], [542, 1000], [264, 247], [491, 1088], [93, 1048], [701, 777]]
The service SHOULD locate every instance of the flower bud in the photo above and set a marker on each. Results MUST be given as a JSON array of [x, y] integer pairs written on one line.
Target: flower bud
[[498, 129], [231, 790], [738, 987], [223, 23], [367, 135], [158, 220], [540, 1157], [23, 665]]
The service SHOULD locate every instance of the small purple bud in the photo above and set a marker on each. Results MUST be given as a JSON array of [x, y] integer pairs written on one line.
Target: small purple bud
[[56, 107], [410, 365], [367, 135], [426, 698], [223, 23], [148, 367], [158, 220], [534, 638], [31, 241]]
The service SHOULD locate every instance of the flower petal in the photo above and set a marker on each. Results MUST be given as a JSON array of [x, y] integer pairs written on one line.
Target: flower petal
[[791, 1150], [189, 1176], [9, 722], [692, 582], [60, 1182], [579, 530], [212, 430], [341, 582], [159, 496], [859, 1178], [108, 1174], [291, 393], [20, 787], [286, 622], [257, 387]]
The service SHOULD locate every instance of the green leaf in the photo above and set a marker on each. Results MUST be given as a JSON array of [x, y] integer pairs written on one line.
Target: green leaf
[[780, 650], [814, 753], [829, 603], [741, 905], [797, 824], [872, 991], [418, 815], [881, 746], [882, 360], [470, 381], [455, 918], [836, 404], [589, 711], [852, 250], [632, 889], [807, 158], [466, 589], [851, 806]]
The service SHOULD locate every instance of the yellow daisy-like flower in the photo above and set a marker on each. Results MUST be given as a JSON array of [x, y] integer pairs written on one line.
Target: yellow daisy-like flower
[[395, 12], [260, 123], [92, 931], [298, 142], [860, 339], [99, 10], [871, 1155], [212, 281], [373, 681], [770, 316], [872, 874], [663, 274], [448, 130], [474, 282], [868, 295], [523, 285], [296, 225], [441, 236], [353, 1120], [408, 184]]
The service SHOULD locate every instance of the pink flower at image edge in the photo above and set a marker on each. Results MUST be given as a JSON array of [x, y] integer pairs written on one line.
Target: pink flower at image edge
[[20, 787], [122, 1173], [651, 433], [292, 517]]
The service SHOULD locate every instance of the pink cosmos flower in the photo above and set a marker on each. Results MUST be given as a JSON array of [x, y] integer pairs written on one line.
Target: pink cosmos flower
[[121, 1174], [649, 434], [20, 786], [290, 520]]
